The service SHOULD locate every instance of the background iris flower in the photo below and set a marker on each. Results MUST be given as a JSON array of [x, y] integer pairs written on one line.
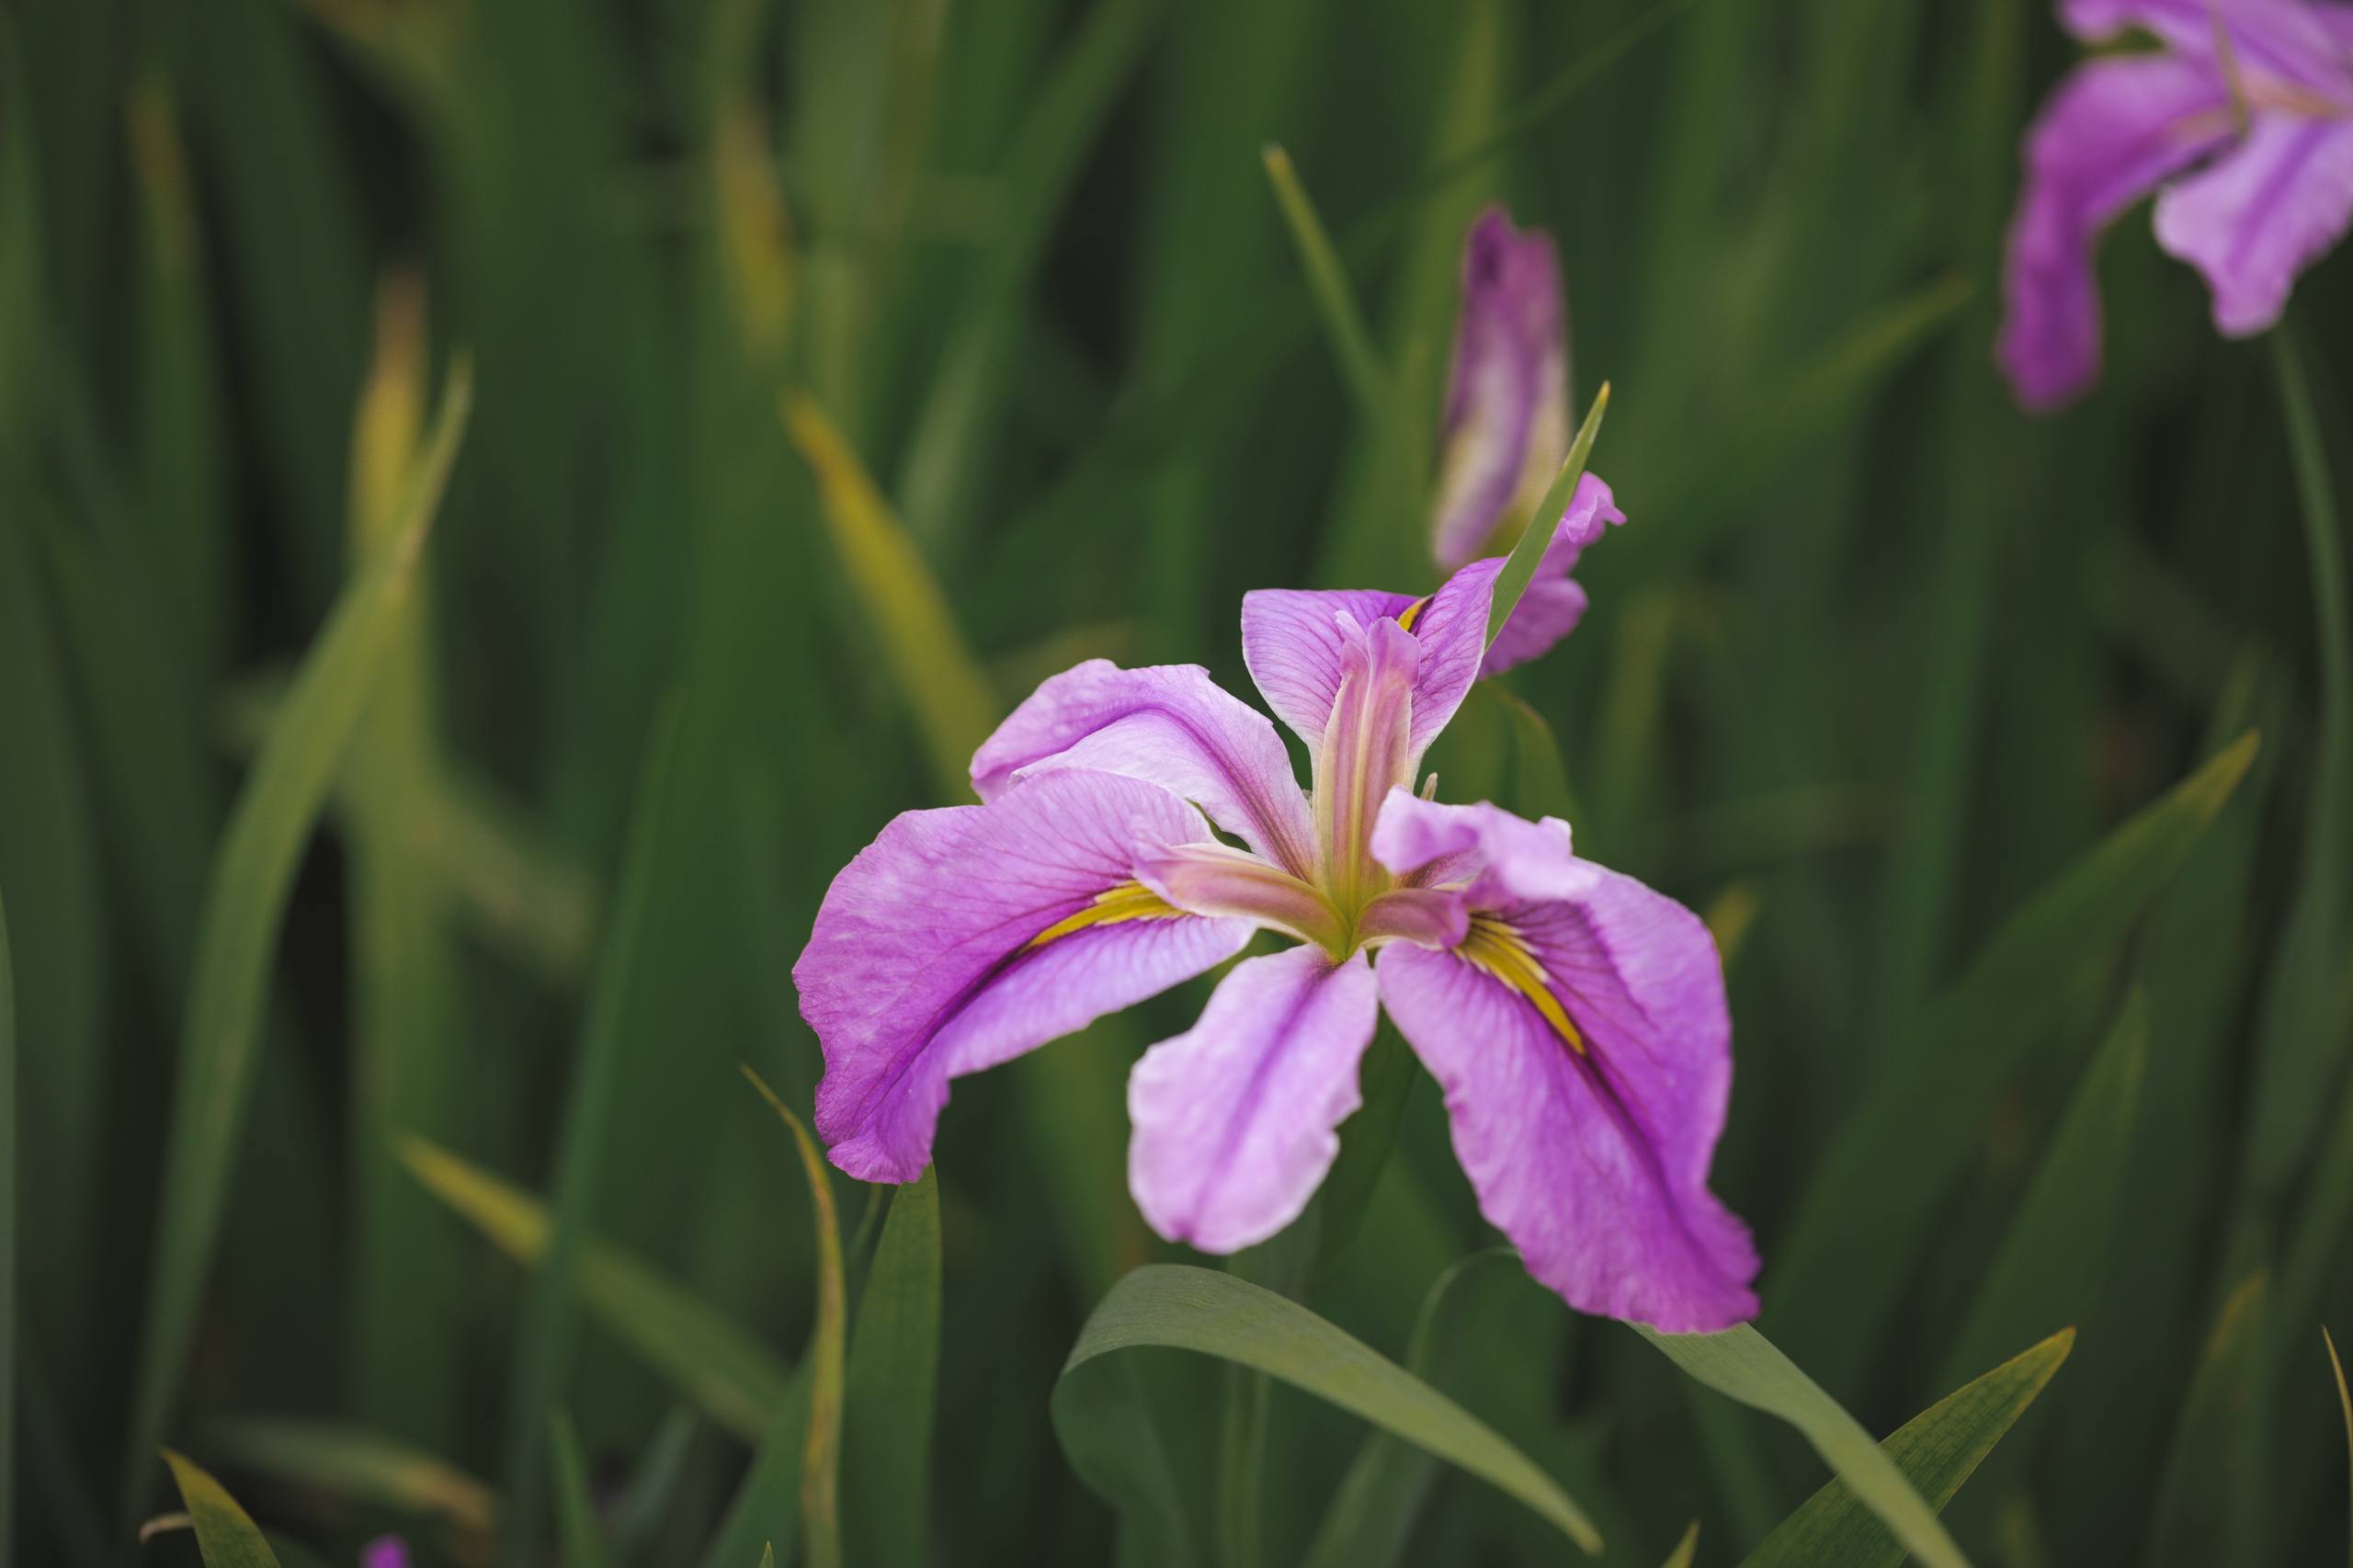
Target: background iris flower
[[2242, 122]]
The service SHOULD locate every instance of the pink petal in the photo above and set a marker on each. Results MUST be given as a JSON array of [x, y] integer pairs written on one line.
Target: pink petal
[[1236, 1119], [2261, 215], [2108, 133], [920, 970], [1506, 424], [1498, 857], [1293, 643], [1168, 724], [1594, 1163]]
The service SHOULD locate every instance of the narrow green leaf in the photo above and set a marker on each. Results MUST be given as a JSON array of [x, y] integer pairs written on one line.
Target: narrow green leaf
[[1743, 1364], [1519, 567], [352, 1465], [1685, 1550], [1936, 1450], [244, 902], [732, 1376], [768, 1555], [2213, 1443], [890, 1384], [1165, 1305], [225, 1535], [766, 1506], [584, 1543], [548, 1329], [1369, 1523], [821, 1456], [1861, 1220], [901, 599], [2344, 1404], [2049, 1265], [1328, 281]]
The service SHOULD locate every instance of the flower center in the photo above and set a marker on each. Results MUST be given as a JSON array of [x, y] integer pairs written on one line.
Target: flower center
[[1367, 749], [1503, 952]]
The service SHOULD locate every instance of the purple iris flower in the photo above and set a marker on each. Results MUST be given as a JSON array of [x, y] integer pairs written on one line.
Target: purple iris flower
[[1137, 827], [2244, 125], [384, 1552]]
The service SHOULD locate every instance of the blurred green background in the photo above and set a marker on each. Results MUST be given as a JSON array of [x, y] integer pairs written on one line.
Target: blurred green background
[[1877, 664]]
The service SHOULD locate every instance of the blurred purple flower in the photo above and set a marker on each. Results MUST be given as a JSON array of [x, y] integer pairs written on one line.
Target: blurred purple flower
[[1575, 1018], [384, 1552], [2248, 142]]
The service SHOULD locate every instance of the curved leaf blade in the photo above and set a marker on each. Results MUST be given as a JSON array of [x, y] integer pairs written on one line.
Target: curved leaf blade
[[1743, 1364], [890, 1383], [1175, 1307], [1936, 1450], [225, 1535]]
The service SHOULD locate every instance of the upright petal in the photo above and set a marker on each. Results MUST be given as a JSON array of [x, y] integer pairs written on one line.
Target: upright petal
[[2108, 133], [2258, 217], [1236, 1120], [1584, 1050], [1506, 424], [1295, 643], [1171, 725], [961, 937]]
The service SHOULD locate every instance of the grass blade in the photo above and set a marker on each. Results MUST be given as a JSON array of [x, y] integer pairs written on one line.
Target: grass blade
[[1937, 1449], [820, 1456], [225, 1535], [1519, 567], [729, 1375], [8, 1241], [584, 1543], [244, 904], [548, 1327], [901, 599], [1743, 1364], [1685, 1550], [889, 1385], [1848, 1253], [1170, 1306], [2049, 1262], [352, 1465], [1327, 282]]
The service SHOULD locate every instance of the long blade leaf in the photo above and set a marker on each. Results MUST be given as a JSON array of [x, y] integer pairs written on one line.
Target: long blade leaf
[[225, 1535], [890, 1382]]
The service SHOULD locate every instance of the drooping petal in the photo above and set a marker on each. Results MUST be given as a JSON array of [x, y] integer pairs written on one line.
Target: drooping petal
[[1554, 604], [1236, 1120], [2108, 135], [1587, 1072], [1495, 857], [1168, 724], [1507, 422], [1293, 642], [2294, 40], [1215, 879], [2274, 205], [961, 937], [1433, 918]]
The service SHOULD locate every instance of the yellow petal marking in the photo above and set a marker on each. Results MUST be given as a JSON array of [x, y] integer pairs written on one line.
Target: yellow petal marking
[[1123, 900], [1501, 951]]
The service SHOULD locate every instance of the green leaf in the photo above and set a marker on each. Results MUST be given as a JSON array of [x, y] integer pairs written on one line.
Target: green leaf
[[584, 1542], [2213, 1441], [244, 904], [1535, 534], [1935, 1451], [1370, 1519], [224, 1534], [1743, 1364], [1900, 1150], [729, 1375], [821, 1456], [1328, 281], [548, 1329], [766, 1506], [892, 1384], [2049, 1265], [900, 599], [1685, 1550], [351, 1465], [1175, 1307]]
